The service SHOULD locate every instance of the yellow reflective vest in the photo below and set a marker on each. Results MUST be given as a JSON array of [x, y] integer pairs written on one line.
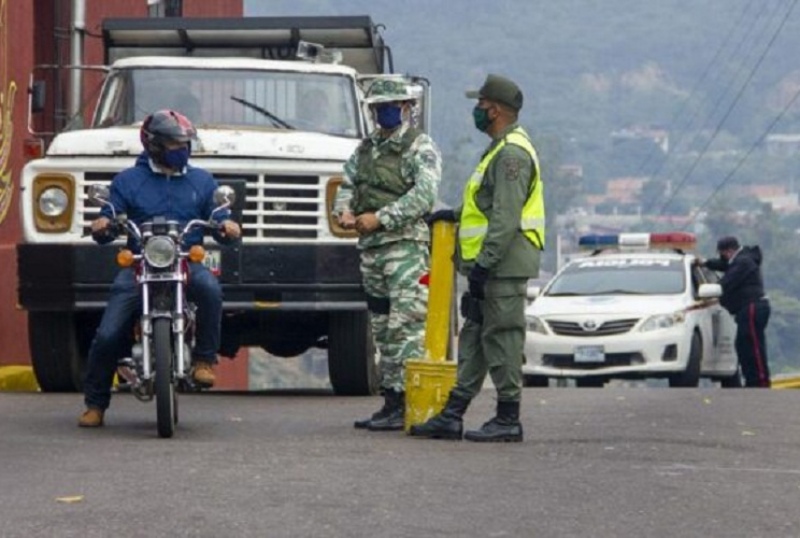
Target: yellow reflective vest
[[474, 224]]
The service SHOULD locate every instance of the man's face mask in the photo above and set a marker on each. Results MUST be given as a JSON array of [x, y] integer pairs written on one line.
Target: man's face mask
[[481, 118], [389, 116], [177, 158]]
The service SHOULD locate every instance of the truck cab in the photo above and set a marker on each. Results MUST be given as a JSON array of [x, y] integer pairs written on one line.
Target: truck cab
[[277, 104]]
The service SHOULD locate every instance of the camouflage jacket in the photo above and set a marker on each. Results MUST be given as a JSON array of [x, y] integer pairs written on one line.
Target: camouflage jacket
[[401, 219]]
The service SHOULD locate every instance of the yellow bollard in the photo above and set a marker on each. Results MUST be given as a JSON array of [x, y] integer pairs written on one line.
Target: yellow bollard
[[429, 380]]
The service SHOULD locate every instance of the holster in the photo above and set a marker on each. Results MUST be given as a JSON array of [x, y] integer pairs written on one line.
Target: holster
[[471, 308]]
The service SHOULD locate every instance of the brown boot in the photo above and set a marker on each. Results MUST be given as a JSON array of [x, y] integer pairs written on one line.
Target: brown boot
[[91, 418], [203, 374]]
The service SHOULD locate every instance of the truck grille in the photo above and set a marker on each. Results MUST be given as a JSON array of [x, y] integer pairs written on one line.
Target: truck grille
[[275, 207], [608, 328]]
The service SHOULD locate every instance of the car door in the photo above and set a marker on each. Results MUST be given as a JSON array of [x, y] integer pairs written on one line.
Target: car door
[[723, 328]]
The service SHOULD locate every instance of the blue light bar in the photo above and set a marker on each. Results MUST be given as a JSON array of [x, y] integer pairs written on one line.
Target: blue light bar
[[597, 241]]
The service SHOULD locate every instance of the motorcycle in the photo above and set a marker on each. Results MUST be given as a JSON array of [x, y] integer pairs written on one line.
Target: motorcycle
[[160, 362]]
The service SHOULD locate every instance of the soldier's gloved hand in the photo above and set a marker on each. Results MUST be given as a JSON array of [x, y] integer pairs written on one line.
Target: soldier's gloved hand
[[477, 281], [447, 215]]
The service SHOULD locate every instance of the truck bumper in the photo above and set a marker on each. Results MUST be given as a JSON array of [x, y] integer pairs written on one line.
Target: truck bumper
[[297, 277]]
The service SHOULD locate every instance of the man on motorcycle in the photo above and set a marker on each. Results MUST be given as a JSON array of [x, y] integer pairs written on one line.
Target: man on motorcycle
[[161, 183]]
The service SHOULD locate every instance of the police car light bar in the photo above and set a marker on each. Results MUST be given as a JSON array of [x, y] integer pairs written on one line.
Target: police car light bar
[[682, 241]]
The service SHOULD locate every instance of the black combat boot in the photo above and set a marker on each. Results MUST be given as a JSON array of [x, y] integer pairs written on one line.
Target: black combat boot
[[394, 418], [445, 425], [505, 427], [383, 412]]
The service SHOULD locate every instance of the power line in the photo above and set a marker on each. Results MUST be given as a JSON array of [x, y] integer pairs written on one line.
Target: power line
[[730, 108], [697, 84], [758, 142], [679, 139]]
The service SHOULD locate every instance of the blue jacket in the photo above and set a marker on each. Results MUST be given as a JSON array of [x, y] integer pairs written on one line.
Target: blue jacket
[[142, 194]]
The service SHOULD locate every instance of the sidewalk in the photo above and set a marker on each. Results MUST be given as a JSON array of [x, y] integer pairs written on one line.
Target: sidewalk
[[18, 379]]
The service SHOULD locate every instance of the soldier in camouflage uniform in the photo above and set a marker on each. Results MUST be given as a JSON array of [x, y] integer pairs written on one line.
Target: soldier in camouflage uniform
[[390, 184], [500, 236]]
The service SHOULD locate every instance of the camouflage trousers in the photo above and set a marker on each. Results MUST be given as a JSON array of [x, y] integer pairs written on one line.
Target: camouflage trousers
[[397, 303]]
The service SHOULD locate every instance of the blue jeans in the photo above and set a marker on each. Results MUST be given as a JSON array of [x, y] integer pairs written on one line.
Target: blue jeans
[[114, 336]]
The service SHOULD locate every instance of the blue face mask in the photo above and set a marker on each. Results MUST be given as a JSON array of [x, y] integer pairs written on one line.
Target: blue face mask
[[177, 159], [389, 116]]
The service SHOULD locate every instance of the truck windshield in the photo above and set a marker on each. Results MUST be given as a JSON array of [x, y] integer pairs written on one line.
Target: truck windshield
[[324, 103]]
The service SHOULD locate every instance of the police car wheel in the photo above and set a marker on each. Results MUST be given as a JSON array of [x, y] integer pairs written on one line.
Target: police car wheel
[[691, 376]]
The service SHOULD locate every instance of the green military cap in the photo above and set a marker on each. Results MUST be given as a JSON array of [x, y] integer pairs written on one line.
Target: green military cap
[[385, 90], [500, 90]]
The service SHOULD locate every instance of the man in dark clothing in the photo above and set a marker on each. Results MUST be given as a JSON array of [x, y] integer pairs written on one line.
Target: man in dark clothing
[[161, 183], [743, 296]]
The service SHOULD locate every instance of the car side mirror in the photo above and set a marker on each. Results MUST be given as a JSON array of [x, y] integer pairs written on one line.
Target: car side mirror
[[709, 291], [533, 292]]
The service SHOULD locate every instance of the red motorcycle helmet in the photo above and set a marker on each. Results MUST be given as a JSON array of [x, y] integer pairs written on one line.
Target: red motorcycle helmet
[[165, 126]]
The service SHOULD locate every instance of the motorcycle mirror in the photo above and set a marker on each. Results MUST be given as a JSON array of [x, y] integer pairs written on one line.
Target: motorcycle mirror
[[98, 194], [224, 196]]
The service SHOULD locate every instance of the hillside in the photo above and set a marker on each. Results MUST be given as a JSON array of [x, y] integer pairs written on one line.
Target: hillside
[[589, 68]]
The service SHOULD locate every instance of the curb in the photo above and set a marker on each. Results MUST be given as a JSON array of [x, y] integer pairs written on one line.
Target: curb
[[18, 379], [786, 383]]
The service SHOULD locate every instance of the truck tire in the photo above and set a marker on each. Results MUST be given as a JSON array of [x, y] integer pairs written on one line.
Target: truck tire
[[351, 355], [691, 376], [58, 360]]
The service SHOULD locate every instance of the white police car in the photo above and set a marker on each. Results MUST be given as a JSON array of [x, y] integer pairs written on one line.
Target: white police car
[[633, 307]]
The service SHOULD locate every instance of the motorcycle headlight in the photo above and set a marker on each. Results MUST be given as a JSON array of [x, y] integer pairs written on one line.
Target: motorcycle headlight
[[159, 252], [662, 321], [536, 325], [53, 201]]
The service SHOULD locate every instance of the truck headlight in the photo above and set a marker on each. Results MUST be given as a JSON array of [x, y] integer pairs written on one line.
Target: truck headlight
[[159, 252], [331, 188], [662, 321], [53, 201], [536, 325]]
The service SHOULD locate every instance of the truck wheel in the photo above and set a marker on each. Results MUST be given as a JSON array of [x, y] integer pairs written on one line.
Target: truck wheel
[[58, 359], [691, 376], [351, 354]]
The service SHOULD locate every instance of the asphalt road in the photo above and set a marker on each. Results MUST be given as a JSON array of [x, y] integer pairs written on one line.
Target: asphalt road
[[616, 462]]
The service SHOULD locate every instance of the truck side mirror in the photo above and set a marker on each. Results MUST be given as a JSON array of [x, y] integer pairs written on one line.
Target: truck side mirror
[[37, 91]]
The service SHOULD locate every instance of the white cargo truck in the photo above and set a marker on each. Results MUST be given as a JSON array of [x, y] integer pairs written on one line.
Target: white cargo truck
[[278, 105]]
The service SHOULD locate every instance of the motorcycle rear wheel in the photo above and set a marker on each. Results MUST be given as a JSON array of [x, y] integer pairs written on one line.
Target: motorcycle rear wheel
[[166, 404]]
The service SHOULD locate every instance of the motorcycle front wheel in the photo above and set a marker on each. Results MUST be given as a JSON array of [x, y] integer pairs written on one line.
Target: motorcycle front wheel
[[166, 404]]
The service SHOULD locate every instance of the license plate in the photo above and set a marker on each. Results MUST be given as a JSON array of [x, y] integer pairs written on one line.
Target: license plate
[[213, 261], [590, 354]]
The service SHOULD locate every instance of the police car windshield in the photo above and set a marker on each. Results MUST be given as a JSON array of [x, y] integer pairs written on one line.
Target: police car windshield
[[620, 276]]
